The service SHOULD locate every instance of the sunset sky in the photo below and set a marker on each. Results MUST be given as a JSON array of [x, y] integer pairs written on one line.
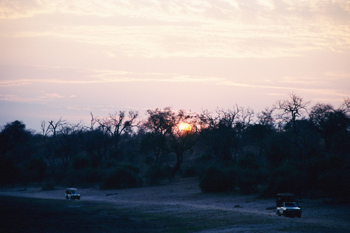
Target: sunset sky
[[67, 58]]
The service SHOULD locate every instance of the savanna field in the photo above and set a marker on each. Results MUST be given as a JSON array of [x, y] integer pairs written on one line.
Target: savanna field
[[179, 171]]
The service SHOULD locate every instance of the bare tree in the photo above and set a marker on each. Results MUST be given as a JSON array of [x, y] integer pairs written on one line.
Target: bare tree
[[117, 124], [50, 143], [60, 141], [346, 106], [292, 109], [265, 117], [222, 132], [54, 126], [70, 141], [302, 131], [45, 151]]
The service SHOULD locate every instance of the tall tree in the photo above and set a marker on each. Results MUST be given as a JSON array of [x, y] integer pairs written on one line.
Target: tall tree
[[117, 124], [291, 109], [222, 133], [177, 129], [14, 138], [329, 122]]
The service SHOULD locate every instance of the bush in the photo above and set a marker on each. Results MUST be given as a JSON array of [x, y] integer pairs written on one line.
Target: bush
[[92, 175], [231, 178], [249, 179], [250, 175], [9, 173], [47, 186], [218, 180], [286, 179], [202, 164], [336, 183], [80, 162], [130, 167], [83, 176], [190, 171], [33, 170], [157, 172], [148, 160], [124, 176]]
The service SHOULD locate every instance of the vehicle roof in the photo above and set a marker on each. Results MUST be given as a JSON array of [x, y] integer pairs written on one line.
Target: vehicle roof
[[72, 189], [286, 194]]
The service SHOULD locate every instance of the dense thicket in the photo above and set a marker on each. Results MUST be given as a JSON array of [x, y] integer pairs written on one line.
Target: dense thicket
[[291, 147]]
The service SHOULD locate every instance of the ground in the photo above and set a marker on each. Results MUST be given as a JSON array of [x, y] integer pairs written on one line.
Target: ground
[[176, 207]]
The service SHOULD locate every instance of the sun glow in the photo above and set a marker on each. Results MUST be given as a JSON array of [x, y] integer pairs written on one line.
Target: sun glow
[[185, 127]]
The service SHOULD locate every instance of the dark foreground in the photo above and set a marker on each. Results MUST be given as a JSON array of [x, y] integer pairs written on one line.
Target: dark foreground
[[43, 215], [18, 214]]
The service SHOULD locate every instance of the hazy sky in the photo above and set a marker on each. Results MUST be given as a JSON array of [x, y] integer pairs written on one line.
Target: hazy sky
[[67, 58]]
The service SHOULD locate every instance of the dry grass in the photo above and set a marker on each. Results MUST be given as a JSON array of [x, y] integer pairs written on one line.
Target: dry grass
[[175, 207]]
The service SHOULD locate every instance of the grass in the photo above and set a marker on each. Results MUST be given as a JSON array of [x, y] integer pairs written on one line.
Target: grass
[[42, 215], [46, 215]]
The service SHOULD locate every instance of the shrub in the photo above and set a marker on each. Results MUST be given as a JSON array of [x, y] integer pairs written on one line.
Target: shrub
[[80, 162], [190, 171], [47, 186], [250, 175], [286, 179], [336, 184], [249, 179], [130, 167], [148, 160], [83, 176], [34, 170], [157, 172], [202, 164], [124, 176], [9, 173], [231, 178], [92, 175], [218, 180]]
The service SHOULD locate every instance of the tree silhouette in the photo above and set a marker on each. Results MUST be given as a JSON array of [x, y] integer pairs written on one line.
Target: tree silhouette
[[164, 124], [292, 109]]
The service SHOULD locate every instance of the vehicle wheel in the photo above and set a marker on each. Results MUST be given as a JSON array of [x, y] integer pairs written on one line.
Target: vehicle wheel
[[279, 214], [67, 198], [299, 215]]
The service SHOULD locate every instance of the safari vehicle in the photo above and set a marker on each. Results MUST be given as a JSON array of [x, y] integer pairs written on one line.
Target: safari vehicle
[[286, 204], [72, 193], [289, 209]]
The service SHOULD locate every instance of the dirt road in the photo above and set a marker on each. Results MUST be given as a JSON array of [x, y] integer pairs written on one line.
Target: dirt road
[[183, 197]]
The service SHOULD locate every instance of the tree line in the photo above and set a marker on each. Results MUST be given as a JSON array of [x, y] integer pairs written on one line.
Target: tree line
[[290, 147]]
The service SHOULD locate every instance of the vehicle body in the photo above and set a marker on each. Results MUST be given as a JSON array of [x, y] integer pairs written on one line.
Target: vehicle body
[[287, 205], [72, 193], [289, 209]]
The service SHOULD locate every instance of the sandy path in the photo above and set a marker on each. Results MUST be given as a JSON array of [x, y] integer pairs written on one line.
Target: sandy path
[[184, 195]]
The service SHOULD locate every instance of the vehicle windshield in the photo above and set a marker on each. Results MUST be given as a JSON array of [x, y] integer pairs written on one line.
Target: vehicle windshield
[[290, 204]]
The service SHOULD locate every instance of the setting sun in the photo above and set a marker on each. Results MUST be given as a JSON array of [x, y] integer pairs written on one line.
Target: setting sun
[[185, 127]]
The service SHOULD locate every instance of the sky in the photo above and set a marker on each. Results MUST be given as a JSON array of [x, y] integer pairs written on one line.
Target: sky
[[69, 58]]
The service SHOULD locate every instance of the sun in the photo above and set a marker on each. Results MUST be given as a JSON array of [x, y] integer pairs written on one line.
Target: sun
[[185, 127]]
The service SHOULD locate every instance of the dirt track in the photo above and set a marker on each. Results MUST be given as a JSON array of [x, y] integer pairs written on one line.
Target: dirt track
[[183, 197]]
